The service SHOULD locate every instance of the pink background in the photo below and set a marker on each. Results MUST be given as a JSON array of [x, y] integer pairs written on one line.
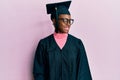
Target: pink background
[[24, 22]]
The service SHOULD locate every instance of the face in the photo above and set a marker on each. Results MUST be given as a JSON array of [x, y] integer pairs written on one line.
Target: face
[[64, 23]]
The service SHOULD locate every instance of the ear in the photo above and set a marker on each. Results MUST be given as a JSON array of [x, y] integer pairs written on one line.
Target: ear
[[53, 20]]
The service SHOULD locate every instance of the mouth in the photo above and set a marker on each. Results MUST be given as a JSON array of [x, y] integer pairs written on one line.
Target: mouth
[[66, 28]]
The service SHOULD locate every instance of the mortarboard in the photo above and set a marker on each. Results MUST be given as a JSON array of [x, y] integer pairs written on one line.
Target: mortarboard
[[55, 9]]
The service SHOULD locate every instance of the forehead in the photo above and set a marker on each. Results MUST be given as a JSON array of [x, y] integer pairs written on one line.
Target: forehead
[[64, 16]]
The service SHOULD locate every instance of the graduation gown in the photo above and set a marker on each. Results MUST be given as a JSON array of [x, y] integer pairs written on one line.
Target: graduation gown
[[68, 63]]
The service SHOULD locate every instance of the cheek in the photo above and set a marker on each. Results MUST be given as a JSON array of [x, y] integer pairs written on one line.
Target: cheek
[[61, 24]]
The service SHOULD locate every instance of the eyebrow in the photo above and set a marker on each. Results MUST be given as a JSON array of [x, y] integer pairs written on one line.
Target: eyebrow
[[64, 18]]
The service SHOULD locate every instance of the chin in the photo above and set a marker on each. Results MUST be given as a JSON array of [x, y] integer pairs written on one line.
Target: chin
[[66, 32]]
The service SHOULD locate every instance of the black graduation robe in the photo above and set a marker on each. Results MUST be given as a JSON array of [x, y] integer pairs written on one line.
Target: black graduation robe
[[68, 63]]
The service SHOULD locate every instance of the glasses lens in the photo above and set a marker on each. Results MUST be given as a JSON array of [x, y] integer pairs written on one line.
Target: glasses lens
[[65, 20], [71, 21]]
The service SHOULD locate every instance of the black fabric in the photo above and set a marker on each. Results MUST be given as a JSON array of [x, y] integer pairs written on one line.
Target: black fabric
[[60, 7], [68, 63], [60, 10]]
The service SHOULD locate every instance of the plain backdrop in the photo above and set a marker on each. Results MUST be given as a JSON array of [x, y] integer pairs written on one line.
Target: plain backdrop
[[24, 22]]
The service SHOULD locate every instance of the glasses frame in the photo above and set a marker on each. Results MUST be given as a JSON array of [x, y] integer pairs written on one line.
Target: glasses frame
[[66, 21]]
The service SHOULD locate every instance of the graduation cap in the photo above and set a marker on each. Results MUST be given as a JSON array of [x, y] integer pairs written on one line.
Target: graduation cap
[[55, 9]]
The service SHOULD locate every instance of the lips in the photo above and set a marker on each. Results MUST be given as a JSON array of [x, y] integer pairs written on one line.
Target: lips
[[66, 28]]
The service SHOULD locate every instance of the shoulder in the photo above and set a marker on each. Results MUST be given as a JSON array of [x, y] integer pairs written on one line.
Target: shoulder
[[75, 39], [46, 39], [76, 42]]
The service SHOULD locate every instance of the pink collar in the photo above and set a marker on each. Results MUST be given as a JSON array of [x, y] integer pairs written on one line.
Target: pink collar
[[60, 35]]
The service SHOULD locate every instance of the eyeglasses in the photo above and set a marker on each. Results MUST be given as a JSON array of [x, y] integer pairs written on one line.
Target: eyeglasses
[[66, 21]]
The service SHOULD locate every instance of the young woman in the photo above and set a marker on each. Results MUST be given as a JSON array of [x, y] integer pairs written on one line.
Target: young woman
[[61, 56]]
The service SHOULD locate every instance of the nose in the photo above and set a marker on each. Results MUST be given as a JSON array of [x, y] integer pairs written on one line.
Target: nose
[[68, 23]]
